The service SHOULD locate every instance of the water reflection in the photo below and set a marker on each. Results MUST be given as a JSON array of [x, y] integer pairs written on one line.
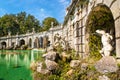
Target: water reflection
[[18, 57], [17, 62]]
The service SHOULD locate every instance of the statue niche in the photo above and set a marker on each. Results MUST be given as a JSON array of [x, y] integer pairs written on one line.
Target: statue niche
[[106, 39]]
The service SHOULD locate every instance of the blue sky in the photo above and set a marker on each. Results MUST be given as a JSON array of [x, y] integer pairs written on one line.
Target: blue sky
[[39, 8]]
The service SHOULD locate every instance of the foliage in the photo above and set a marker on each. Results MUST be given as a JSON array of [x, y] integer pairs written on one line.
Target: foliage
[[88, 73], [20, 22], [47, 23], [95, 46], [99, 18], [58, 48]]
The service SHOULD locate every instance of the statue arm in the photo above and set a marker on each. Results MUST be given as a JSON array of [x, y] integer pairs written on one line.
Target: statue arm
[[109, 36]]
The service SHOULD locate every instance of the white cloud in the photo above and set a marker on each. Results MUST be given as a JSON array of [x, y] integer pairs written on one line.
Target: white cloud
[[40, 14], [2, 11], [64, 2]]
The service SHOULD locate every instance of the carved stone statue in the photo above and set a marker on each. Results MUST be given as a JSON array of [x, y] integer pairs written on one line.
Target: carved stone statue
[[57, 38], [106, 39]]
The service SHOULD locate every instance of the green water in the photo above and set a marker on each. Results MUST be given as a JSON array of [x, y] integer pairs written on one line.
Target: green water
[[15, 64]]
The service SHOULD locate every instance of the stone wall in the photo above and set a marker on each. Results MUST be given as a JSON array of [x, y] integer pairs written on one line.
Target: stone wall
[[78, 24]]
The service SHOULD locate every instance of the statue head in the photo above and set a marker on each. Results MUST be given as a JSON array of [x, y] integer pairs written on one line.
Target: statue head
[[100, 31]]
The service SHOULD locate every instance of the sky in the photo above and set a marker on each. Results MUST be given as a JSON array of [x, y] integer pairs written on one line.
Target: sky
[[38, 8]]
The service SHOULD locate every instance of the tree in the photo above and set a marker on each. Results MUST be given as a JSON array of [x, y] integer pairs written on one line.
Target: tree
[[21, 17], [21, 22], [8, 23], [27, 22], [31, 22], [47, 23]]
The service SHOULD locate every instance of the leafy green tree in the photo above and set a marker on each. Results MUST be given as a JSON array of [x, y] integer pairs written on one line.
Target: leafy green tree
[[8, 23], [47, 23], [21, 22], [21, 17], [27, 22], [31, 22]]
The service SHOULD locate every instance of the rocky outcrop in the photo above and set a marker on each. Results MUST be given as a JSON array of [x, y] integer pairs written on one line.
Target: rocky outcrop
[[33, 66], [106, 64], [38, 67], [51, 65], [84, 66], [23, 47], [103, 78], [70, 72], [50, 55], [41, 70], [74, 63], [65, 57]]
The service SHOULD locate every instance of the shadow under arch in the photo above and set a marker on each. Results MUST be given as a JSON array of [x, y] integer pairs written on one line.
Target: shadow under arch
[[36, 43], [30, 43], [101, 18], [41, 42], [3, 45], [22, 42]]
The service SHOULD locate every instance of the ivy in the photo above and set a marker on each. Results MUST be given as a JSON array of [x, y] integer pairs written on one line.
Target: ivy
[[99, 18]]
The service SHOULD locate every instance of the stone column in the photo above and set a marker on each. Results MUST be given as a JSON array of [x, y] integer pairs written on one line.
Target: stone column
[[52, 37], [9, 40], [117, 28], [33, 32], [32, 45], [17, 40]]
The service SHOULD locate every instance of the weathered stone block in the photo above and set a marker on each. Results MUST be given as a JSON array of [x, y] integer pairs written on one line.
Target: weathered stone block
[[103, 78], [99, 1], [50, 55], [118, 48], [107, 2], [117, 28], [51, 65], [70, 72], [74, 63], [106, 64], [115, 10], [84, 66]]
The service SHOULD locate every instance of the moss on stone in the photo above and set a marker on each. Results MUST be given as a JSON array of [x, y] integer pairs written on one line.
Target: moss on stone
[[99, 18]]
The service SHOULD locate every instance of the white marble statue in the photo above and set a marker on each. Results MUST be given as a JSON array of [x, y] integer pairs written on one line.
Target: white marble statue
[[106, 39]]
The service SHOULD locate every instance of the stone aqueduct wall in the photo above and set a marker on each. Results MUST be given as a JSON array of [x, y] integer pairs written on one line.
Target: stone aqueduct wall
[[75, 29], [34, 37], [114, 6], [77, 26]]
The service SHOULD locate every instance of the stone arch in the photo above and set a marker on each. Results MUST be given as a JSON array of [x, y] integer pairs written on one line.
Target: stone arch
[[48, 42], [22, 42], [100, 17], [30, 43], [36, 43], [3, 45]]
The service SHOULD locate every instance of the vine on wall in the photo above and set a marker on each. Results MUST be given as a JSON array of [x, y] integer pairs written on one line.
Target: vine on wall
[[99, 18]]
